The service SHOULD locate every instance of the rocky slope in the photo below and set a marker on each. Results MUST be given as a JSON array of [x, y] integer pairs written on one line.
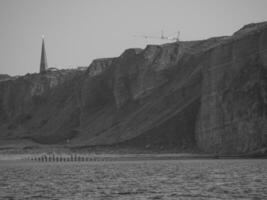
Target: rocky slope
[[209, 94]]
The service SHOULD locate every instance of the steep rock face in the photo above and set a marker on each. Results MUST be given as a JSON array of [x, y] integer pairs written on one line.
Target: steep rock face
[[4, 77], [233, 112], [134, 95], [26, 103], [98, 66], [208, 94]]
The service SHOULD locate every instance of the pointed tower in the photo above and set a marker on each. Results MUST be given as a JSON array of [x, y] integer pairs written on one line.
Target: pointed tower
[[43, 63]]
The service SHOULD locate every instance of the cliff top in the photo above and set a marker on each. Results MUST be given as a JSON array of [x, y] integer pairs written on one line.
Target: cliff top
[[251, 28]]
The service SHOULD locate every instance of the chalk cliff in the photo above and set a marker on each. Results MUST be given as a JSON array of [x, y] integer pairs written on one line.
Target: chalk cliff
[[209, 94]]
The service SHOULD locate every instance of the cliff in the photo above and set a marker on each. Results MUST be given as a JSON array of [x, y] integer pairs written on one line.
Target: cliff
[[209, 95]]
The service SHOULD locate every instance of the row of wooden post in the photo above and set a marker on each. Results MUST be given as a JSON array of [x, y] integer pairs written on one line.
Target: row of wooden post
[[65, 158]]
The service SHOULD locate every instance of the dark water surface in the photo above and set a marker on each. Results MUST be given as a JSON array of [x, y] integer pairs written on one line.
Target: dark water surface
[[182, 179]]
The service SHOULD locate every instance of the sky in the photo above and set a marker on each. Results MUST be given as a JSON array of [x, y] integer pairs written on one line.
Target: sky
[[78, 31]]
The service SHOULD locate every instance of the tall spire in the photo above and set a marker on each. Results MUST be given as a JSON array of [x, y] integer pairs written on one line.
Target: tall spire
[[43, 63]]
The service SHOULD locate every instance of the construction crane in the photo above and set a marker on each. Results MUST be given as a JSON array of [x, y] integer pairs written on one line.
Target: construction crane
[[161, 37]]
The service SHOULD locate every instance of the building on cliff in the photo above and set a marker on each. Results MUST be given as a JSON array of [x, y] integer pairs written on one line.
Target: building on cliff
[[43, 63]]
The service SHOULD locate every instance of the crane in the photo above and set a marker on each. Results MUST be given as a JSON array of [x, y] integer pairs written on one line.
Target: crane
[[162, 37]]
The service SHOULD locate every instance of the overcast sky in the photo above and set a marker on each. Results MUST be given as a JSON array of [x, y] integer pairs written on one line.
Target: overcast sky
[[78, 31]]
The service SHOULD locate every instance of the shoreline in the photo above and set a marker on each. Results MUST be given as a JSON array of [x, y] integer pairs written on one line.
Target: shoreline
[[74, 157], [29, 151]]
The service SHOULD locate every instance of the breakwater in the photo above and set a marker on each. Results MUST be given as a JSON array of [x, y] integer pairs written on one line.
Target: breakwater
[[64, 158]]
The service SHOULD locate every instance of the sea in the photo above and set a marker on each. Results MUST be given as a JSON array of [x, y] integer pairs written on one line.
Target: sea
[[125, 180]]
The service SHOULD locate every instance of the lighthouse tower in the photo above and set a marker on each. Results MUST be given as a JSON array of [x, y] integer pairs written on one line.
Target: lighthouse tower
[[43, 63]]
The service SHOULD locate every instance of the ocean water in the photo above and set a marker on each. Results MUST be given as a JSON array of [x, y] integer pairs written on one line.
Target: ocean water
[[180, 179]]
